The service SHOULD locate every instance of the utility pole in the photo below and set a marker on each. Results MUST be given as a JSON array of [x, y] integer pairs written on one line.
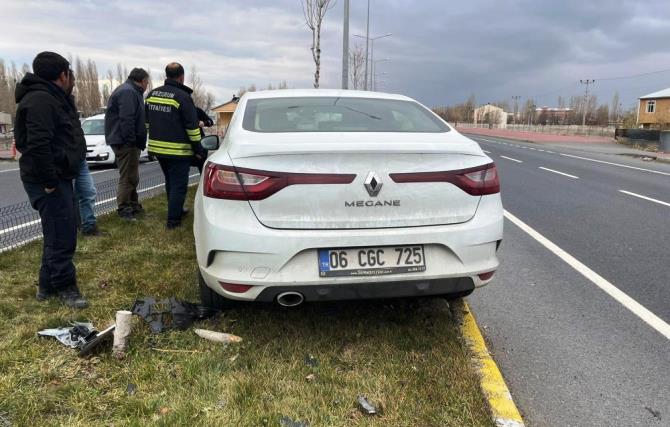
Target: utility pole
[[516, 105], [586, 82], [345, 47], [367, 46]]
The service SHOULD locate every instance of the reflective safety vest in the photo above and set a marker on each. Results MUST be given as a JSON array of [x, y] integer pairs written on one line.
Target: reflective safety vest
[[172, 121]]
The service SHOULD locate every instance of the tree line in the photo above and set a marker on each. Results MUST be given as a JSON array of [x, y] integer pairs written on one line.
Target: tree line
[[92, 92], [602, 114]]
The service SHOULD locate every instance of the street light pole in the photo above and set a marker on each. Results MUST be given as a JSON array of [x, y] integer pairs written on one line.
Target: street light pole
[[367, 46], [345, 47], [586, 82]]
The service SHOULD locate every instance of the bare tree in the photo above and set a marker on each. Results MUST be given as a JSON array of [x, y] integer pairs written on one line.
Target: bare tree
[[201, 98], [314, 11], [356, 66]]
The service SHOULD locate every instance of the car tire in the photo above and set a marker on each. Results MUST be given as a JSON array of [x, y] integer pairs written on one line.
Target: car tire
[[210, 298], [457, 295]]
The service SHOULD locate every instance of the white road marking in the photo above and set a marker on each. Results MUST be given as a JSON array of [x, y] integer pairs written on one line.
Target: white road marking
[[616, 164], [633, 306], [514, 160], [103, 171], [645, 198], [9, 170], [550, 152], [560, 173], [531, 148], [487, 152]]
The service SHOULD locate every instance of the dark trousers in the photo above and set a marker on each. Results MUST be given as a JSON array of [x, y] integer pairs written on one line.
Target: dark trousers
[[59, 226], [128, 160], [176, 172]]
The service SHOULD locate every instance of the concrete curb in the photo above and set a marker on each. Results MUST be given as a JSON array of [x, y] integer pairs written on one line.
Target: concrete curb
[[503, 409]]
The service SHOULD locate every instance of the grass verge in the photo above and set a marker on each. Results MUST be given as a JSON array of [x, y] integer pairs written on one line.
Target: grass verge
[[405, 356]]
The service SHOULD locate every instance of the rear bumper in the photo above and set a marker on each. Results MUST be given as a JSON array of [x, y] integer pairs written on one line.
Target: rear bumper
[[371, 290], [233, 247]]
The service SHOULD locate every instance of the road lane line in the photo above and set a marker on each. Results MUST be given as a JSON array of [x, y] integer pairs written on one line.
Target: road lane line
[[616, 164], [645, 198], [9, 170], [560, 173], [487, 152], [514, 160], [621, 297]]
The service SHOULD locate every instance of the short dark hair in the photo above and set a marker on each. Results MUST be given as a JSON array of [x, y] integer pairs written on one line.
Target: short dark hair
[[138, 74], [174, 70], [49, 65]]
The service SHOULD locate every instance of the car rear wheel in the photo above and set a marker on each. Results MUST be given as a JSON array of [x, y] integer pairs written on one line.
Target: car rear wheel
[[210, 298]]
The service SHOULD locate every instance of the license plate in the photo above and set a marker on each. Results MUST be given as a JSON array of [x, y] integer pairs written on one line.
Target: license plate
[[371, 261]]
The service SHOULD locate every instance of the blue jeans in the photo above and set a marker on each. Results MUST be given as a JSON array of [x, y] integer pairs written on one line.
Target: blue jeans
[[84, 188]]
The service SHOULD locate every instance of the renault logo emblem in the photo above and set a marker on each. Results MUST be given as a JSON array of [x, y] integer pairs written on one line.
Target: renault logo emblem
[[373, 184]]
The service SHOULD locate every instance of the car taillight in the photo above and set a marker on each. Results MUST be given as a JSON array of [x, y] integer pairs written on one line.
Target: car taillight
[[228, 182], [477, 181]]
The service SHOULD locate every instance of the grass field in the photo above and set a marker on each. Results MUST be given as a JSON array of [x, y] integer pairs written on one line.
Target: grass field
[[405, 356]]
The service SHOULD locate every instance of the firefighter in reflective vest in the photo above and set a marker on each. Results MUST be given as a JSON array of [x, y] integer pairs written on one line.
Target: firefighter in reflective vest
[[174, 137]]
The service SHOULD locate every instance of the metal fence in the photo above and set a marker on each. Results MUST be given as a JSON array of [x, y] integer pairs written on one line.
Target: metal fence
[[20, 223], [550, 129]]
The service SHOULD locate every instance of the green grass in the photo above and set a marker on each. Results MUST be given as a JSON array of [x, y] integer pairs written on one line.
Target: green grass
[[405, 356]]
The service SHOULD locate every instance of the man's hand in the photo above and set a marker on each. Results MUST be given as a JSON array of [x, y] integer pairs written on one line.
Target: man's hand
[[49, 190], [201, 124]]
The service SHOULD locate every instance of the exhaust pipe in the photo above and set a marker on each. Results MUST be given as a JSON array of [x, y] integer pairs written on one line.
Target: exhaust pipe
[[290, 299]]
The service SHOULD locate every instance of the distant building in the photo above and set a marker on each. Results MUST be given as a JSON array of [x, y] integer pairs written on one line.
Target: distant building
[[224, 113], [552, 115], [491, 115], [654, 110], [5, 122]]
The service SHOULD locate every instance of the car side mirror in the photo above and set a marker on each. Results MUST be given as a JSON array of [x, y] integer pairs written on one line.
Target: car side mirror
[[210, 142]]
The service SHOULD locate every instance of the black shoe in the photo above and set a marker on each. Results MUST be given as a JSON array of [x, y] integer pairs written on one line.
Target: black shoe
[[71, 297], [127, 215], [43, 294], [171, 225], [138, 210], [184, 212], [94, 232]]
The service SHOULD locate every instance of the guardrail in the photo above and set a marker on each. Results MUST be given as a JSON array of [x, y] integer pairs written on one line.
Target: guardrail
[[20, 223]]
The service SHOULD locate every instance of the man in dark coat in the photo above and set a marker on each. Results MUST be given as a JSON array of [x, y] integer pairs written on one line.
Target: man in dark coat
[[50, 158], [125, 131]]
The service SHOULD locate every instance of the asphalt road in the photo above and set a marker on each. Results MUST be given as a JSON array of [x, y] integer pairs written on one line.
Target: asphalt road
[[12, 192], [573, 355]]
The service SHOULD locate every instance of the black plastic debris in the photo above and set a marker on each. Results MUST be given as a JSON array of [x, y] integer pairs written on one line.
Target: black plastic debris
[[170, 313], [366, 407], [311, 361], [131, 389], [82, 336], [288, 422]]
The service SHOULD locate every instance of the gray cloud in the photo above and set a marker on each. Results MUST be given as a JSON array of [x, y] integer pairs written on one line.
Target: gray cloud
[[440, 51]]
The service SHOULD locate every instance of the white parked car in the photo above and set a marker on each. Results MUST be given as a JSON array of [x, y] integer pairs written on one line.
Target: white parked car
[[97, 150], [321, 195]]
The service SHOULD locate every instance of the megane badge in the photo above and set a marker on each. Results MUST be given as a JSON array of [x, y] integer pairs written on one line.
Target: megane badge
[[373, 184]]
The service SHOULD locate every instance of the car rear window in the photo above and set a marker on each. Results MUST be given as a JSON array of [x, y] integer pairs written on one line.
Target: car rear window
[[93, 127], [339, 114]]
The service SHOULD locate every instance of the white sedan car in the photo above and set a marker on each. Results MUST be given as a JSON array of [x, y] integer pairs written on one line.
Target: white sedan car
[[322, 195], [97, 150]]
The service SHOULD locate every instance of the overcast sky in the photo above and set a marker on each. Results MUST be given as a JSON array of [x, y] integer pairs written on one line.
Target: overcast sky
[[440, 51]]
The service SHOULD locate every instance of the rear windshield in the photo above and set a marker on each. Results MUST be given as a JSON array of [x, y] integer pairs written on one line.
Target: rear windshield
[[336, 114], [93, 127]]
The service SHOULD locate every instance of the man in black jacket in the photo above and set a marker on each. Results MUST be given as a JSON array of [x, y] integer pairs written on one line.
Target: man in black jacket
[[174, 137], [50, 159], [125, 131]]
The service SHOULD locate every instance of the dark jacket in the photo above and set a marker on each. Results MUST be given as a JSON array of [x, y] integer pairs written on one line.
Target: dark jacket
[[173, 121], [124, 117], [46, 137]]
